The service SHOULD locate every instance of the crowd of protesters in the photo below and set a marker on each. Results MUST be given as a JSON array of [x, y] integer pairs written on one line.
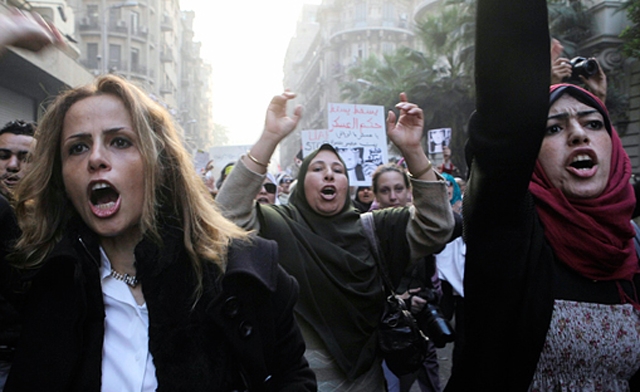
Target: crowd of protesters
[[122, 268]]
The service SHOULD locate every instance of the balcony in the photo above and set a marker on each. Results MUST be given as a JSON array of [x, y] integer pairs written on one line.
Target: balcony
[[142, 33], [139, 69], [166, 24], [119, 26], [424, 8], [166, 56], [87, 24], [399, 26]]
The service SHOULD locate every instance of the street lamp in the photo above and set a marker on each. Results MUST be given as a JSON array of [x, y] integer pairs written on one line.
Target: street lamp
[[105, 15]]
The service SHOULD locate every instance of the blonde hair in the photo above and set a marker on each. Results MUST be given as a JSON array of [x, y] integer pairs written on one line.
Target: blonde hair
[[171, 182]]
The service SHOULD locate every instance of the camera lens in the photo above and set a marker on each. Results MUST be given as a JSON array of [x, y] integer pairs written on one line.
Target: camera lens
[[437, 328], [590, 67]]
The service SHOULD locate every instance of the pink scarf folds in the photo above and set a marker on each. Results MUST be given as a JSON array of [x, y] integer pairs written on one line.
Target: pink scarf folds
[[592, 236]]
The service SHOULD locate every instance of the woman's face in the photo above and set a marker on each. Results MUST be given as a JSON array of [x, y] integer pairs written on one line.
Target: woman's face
[[102, 168], [326, 184], [576, 149], [365, 195], [392, 191], [267, 193]]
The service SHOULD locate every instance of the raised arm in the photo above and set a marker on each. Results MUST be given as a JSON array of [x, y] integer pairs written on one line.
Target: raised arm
[[406, 134], [236, 196], [277, 126], [431, 222], [512, 88]]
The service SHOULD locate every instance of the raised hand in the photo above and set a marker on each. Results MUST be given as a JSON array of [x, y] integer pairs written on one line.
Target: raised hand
[[277, 123], [560, 69], [408, 131], [406, 134], [27, 30]]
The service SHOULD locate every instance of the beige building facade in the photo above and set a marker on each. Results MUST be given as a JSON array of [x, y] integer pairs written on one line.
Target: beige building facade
[[29, 79], [337, 34], [149, 42], [330, 38]]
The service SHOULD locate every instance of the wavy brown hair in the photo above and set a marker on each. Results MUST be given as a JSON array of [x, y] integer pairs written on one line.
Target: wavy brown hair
[[171, 187]]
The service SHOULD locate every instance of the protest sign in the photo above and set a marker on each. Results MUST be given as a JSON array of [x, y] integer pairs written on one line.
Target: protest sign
[[200, 161], [438, 138], [358, 133]]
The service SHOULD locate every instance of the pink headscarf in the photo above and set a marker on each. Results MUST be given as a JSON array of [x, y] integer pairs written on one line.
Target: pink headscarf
[[592, 236]]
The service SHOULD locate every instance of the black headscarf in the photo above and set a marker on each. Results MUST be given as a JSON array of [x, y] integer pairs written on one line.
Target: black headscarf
[[359, 204], [340, 290]]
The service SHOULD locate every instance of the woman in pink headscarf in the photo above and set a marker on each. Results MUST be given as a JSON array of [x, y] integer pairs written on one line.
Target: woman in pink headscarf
[[551, 275]]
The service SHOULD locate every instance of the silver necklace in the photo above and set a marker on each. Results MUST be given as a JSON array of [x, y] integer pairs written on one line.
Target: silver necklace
[[130, 280]]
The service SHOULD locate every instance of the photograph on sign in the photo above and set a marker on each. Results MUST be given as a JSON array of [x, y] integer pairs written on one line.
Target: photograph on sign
[[361, 158], [360, 165], [438, 138]]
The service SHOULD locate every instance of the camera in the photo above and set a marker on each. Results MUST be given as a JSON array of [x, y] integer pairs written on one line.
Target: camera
[[432, 322], [582, 66]]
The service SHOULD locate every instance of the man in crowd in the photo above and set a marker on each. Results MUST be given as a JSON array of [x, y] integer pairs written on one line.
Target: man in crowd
[[16, 141]]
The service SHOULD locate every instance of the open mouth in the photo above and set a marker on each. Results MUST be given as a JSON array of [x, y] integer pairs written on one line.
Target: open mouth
[[582, 162], [104, 198], [11, 181], [328, 191], [263, 200]]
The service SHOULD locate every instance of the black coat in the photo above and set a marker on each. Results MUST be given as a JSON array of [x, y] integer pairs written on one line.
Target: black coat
[[9, 318], [512, 276], [240, 331]]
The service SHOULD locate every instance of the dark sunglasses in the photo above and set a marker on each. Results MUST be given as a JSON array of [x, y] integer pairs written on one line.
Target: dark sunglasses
[[269, 187]]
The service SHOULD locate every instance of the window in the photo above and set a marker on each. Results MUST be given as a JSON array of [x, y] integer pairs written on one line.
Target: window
[[92, 56], [92, 14], [114, 16], [135, 60], [388, 14], [360, 17], [135, 20], [115, 57]]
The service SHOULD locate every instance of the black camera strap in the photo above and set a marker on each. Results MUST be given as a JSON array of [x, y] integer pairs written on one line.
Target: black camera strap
[[370, 231]]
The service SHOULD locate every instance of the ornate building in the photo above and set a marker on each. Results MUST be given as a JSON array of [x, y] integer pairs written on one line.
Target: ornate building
[[337, 34], [329, 39], [151, 43]]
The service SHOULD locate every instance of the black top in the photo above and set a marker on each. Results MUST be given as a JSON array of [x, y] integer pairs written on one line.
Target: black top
[[240, 331], [512, 277]]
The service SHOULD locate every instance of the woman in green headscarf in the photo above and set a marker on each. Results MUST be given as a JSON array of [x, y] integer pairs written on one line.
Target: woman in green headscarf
[[323, 245]]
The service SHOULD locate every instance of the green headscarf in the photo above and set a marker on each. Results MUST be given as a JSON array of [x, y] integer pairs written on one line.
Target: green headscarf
[[340, 290]]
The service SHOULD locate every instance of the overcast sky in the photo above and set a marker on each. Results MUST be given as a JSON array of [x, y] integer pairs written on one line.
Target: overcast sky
[[245, 42]]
